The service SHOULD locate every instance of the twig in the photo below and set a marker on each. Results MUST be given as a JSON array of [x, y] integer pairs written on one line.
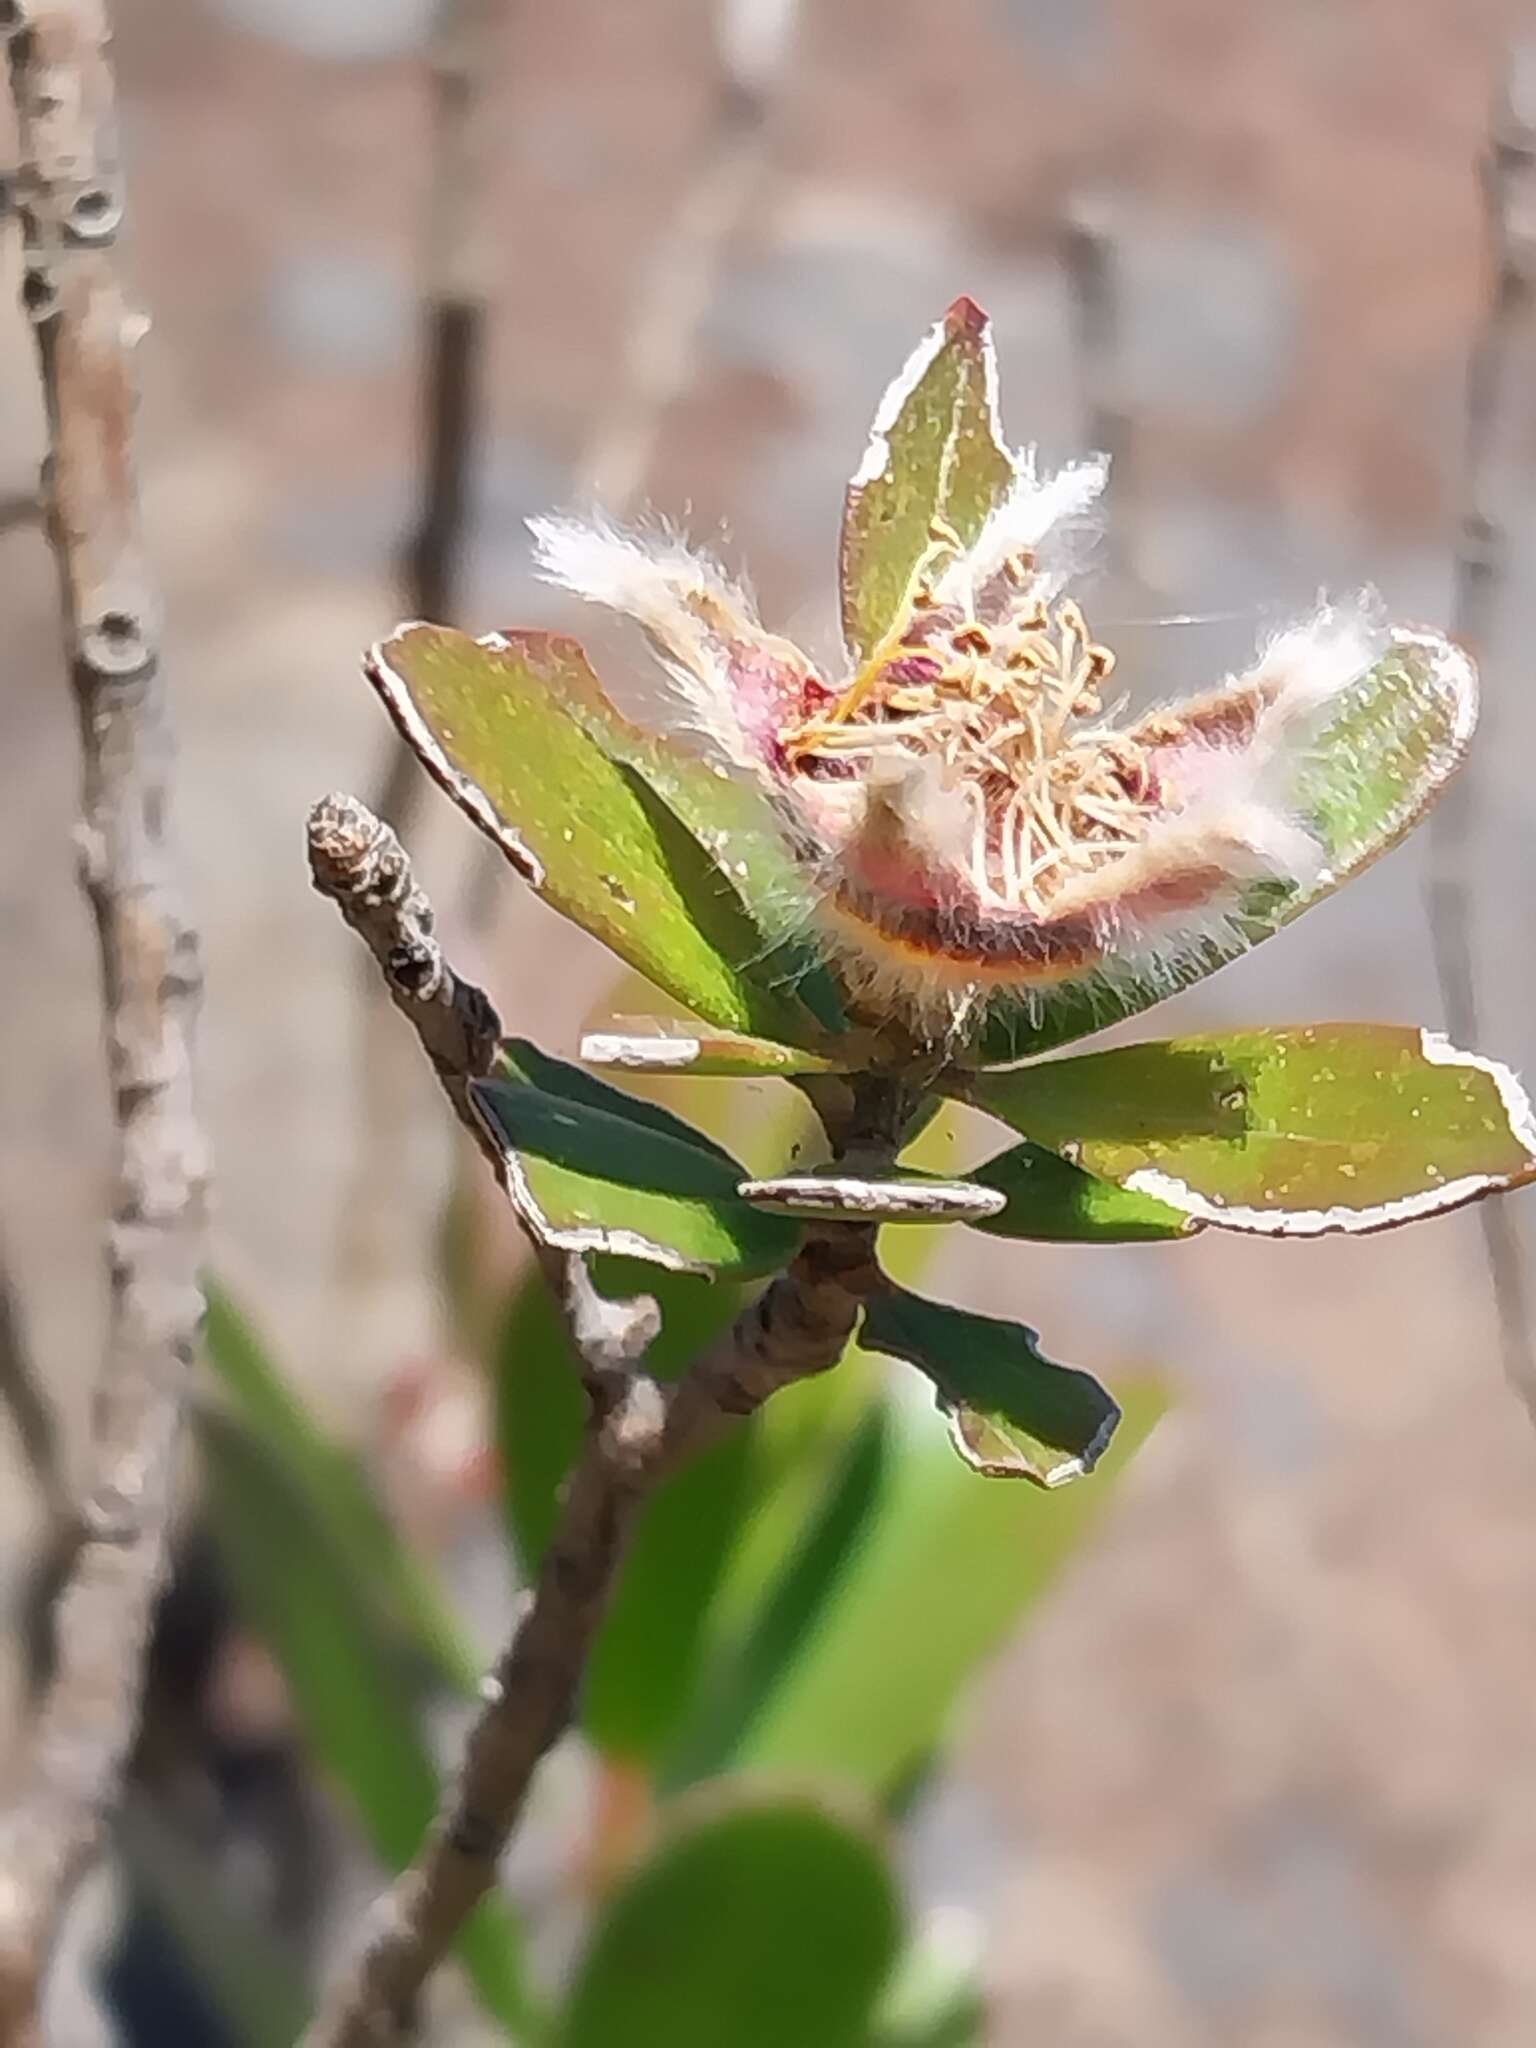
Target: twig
[[31, 1411], [69, 198], [19, 508], [659, 359], [1497, 376], [638, 1430], [457, 286], [1091, 259]]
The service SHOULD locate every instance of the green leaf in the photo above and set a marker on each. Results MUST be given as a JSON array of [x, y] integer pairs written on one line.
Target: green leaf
[[1293, 1132], [766, 1922], [934, 1999], [648, 1659], [639, 1048], [901, 1195], [250, 1977], [1360, 784], [936, 454], [648, 1662], [746, 1672], [1013, 1412], [946, 1567], [592, 1169], [604, 821], [1050, 1199], [395, 1580], [307, 1600]]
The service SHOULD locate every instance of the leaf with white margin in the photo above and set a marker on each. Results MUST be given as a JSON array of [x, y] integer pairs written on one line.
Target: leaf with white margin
[[1046, 1199], [1013, 1413], [591, 1169], [636, 1046], [936, 452], [901, 1196], [623, 832], [1290, 1132]]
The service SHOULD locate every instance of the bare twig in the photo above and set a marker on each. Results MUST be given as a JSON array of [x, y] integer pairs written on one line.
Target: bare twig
[[1089, 257], [457, 285], [19, 508], [69, 198], [357, 861], [1497, 376], [638, 1430], [659, 359], [30, 1409]]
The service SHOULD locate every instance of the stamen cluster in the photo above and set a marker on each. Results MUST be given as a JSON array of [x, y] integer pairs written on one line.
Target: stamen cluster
[[999, 687]]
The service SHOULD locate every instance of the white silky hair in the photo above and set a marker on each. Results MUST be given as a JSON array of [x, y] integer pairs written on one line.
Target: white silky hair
[[1308, 664], [1053, 514], [673, 592]]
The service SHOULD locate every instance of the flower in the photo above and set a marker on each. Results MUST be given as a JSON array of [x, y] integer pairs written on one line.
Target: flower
[[945, 857], [977, 822], [952, 841]]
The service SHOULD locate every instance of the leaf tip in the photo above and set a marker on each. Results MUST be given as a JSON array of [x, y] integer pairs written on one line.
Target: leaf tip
[[965, 320]]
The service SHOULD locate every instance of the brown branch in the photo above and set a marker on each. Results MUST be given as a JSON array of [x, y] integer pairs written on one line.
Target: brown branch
[[456, 289], [638, 1430], [1497, 378], [69, 197]]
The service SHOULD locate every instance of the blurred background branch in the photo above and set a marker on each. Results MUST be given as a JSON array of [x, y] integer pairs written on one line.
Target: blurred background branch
[[31, 1411], [458, 276], [1498, 380], [69, 196], [659, 345]]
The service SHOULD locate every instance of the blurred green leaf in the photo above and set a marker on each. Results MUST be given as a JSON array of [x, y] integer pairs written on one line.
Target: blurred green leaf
[[251, 1978], [947, 1565], [1013, 1412], [540, 1410], [933, 1999], [768, 1922], [392, 1578], [803, 1436], [1294, 1131], [594, 1169], [647, 1661], [1055, 1202], [1360, 784], [935, 455], [304, 1595], [744, 1674], [605, 821]]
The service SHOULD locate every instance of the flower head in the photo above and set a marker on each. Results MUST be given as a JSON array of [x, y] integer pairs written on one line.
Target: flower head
[[957, 836], [979, 820]]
